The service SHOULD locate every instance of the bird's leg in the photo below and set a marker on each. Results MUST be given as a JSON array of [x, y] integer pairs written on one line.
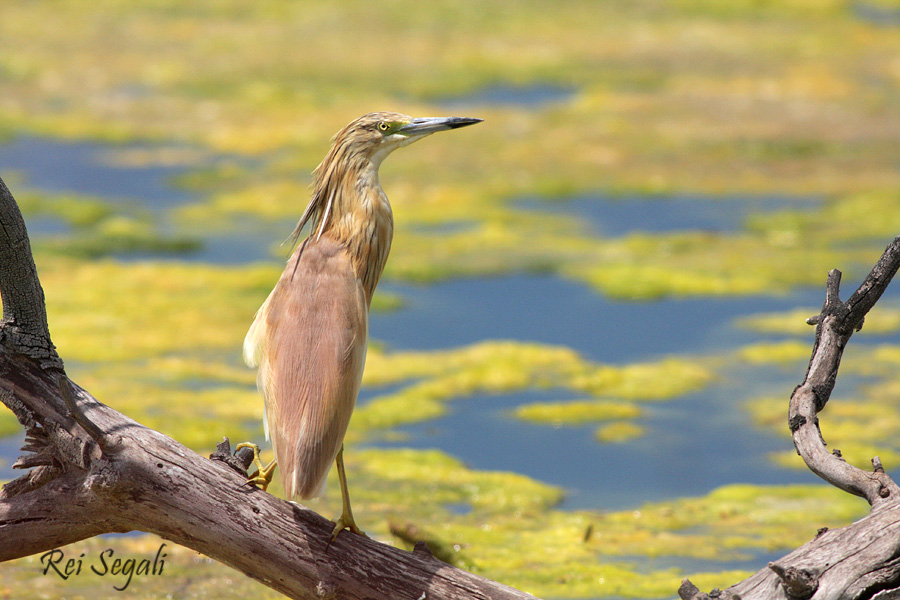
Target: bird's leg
[[346, 520], [262, 477]]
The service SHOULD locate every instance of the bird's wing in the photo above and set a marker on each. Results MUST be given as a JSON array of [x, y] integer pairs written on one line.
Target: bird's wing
[[254, 341], [310, 341]]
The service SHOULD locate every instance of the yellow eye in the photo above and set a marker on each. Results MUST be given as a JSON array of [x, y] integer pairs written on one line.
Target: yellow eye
[[382, 126]]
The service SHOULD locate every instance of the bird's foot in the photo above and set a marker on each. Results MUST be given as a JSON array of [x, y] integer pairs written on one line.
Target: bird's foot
[[346, 522], [262, 477]]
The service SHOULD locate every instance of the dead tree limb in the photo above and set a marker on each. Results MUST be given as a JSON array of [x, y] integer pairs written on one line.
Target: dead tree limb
[[92, 470], [862, 560]]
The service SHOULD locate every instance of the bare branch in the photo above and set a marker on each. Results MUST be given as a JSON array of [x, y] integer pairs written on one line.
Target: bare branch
[[834, 326]]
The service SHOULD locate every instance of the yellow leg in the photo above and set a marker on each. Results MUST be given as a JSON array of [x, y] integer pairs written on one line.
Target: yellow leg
[[346, 521], [262, 477]]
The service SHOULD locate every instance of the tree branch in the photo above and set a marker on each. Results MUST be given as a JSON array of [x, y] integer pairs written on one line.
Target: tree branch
[[834, 326]]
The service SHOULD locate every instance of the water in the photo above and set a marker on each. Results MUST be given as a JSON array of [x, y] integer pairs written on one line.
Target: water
[[85, 168], [551, 310], [95, 170], [690, 448], [525, 96], [10, 450], [872, 13], [617, 216], [698, 429]]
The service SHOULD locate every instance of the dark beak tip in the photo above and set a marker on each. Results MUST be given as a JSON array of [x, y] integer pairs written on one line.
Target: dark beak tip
[[463, 122]]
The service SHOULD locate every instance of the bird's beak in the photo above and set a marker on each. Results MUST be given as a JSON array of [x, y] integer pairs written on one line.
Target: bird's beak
[[427, 125]]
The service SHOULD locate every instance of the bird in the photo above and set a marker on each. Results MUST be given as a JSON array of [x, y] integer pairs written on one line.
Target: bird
[[308, 340]]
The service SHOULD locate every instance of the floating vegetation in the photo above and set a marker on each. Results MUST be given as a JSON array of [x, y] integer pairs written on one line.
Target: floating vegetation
[[576, 412], [9, 425], [512, 524], [787, 354], [640, 121], [504, 367], [116, 236], [74, 210], [613, 433], [110, 311], [134, 334]]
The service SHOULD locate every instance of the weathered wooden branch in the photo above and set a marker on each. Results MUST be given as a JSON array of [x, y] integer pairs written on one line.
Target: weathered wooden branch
[[93, 470], [862, 560]]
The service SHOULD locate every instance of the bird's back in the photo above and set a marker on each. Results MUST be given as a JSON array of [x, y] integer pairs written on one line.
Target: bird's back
[[309, 341]]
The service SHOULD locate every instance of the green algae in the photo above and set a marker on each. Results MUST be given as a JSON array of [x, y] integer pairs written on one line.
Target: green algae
[[787, 353], [134, 335], [104, 310], [198, 414], [501, 238], [731, 523], [9, 425], [707, 112], [576, 412], [74, 210], [117, 235], [495, 367], [95, 227], [880, 320], [511, 526], [616, 433]]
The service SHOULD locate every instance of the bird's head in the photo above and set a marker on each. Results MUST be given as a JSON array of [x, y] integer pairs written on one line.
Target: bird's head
[[377, 134], [356, 153]]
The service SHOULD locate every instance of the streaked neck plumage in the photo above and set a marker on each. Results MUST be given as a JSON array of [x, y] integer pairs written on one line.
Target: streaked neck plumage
[[350, 207]]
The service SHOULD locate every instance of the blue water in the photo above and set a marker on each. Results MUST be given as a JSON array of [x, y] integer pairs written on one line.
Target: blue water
[[552, 310], [616, 216], [10, 450], [86, 168], [876, 14], [691, 446], [504, 94], [90, 169]]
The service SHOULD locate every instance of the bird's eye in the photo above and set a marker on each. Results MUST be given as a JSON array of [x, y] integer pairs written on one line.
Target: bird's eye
[[382, 126]]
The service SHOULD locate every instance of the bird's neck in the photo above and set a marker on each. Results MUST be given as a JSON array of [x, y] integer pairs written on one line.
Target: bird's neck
[[361, 220]]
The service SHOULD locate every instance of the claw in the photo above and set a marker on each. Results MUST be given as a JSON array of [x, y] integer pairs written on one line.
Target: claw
[[346, 522], [262, 477]]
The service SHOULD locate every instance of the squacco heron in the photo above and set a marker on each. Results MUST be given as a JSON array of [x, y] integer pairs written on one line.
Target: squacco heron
[[309, 338]]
